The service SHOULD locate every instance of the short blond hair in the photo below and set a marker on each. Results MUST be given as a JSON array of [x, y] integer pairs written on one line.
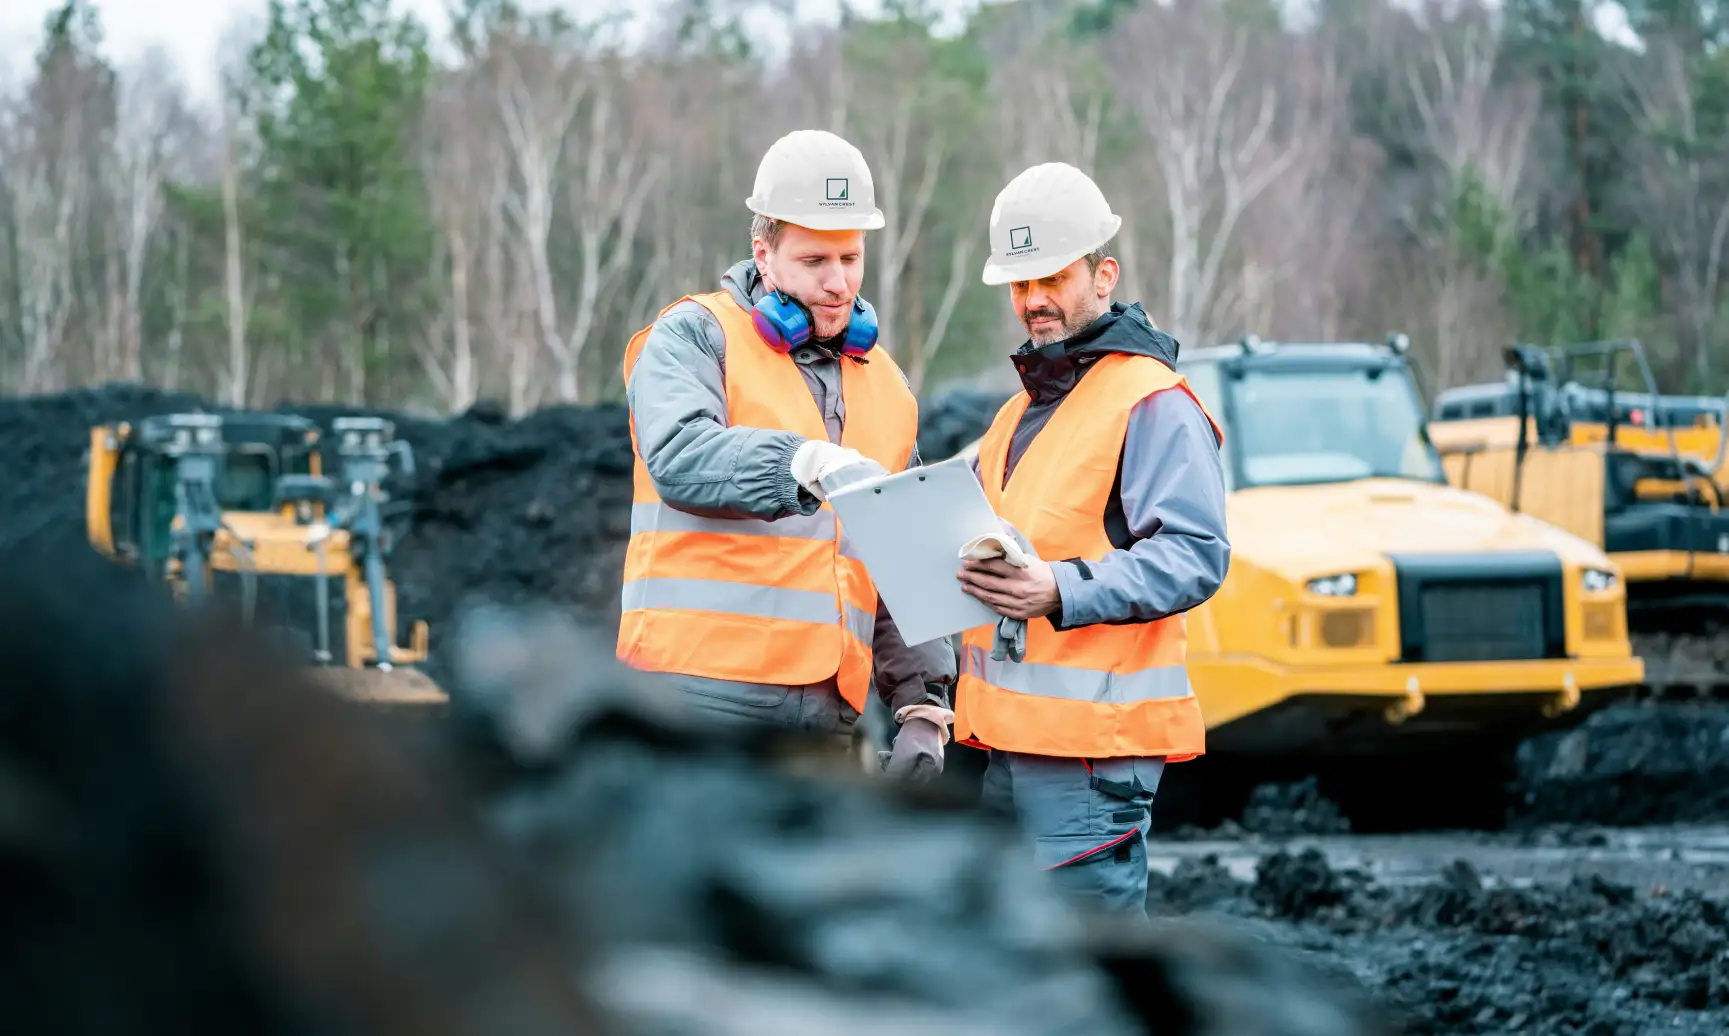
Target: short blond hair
[[766, 228]]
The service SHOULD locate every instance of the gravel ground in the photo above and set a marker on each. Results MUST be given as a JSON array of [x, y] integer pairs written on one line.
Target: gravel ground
[[1497, 939]]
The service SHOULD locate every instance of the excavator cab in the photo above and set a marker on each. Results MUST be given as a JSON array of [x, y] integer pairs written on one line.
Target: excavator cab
[[268, 505], [171, 478]]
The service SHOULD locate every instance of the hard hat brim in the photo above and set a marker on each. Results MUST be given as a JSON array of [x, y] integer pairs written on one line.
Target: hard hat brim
[[872, 220], [1039, 267], [997, 274]]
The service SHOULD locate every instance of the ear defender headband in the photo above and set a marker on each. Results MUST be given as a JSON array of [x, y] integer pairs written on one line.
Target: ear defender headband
[[784, 324]]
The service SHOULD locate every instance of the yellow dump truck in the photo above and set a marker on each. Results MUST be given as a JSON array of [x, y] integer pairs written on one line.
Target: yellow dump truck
[[1638, 474], [1379, 627], [200, 499]]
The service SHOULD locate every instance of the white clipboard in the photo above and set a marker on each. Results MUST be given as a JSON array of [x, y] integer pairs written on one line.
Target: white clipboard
[[909, 528]]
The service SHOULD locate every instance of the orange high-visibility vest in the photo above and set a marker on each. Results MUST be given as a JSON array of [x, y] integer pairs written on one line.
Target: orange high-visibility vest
[[1098, 691], [782, 602]]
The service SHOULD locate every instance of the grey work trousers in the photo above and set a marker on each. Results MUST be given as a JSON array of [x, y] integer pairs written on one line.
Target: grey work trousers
[[1088, 826], [817, 708]]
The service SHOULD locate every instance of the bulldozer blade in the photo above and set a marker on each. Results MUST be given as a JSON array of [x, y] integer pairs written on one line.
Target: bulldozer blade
[[394, 687]]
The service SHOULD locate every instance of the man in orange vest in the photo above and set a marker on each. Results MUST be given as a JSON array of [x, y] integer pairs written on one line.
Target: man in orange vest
[[748, 405], [1107, 467]]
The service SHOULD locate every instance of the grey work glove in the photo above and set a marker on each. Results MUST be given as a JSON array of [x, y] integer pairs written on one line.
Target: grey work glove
[[918, 752], [1011, 642]]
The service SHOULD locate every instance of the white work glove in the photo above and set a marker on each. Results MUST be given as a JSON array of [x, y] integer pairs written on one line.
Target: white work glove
[[1017, 550], [817, 463]]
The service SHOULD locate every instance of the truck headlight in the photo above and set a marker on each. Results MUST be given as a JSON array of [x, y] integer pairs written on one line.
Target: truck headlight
[[1343, 585], [1596, 580]]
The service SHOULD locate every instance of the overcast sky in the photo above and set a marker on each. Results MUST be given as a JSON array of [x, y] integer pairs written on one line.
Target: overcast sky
[[191, 30]]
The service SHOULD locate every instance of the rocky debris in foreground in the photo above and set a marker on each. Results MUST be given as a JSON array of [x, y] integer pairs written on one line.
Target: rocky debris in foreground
[[1462, 955], [198, 842]]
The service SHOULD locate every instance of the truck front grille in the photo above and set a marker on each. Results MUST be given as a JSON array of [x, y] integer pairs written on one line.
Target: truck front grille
[[1480, 608]]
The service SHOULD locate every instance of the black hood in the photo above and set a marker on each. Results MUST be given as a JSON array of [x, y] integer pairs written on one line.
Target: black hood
[[1048, 372]]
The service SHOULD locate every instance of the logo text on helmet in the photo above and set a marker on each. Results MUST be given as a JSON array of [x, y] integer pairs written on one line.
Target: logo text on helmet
[[1021, 240], [837, 190]]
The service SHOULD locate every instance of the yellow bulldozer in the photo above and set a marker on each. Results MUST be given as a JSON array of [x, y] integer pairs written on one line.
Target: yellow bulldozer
[[203, 499], [1381, 629], [1639, 474]]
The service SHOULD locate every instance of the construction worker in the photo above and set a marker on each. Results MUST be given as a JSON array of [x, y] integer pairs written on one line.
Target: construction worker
[[1106, 467], [748, 405]]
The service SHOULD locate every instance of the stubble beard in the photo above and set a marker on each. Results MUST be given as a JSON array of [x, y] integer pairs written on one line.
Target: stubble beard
[[1071, 324]]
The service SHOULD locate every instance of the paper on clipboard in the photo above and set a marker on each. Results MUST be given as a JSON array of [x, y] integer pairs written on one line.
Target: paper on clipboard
[[909, 528]]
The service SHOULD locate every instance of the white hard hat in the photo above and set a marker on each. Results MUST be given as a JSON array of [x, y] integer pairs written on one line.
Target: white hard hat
[[817, 180], [1046, 218]]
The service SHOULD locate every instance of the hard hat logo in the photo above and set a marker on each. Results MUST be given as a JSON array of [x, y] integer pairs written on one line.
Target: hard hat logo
[[1021, 241], [791, 169]]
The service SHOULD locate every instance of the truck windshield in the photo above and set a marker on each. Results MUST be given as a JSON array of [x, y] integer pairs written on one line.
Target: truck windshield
[[1307, 426]]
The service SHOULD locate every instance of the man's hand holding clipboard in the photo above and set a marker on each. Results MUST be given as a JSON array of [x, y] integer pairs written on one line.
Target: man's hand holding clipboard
[[1003, 571]]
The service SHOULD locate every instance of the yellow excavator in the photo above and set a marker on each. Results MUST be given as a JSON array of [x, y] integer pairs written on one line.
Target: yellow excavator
[[1383, 630], [1640, 474], [207, 501]]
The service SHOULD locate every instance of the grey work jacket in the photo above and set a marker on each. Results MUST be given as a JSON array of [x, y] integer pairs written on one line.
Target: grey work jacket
[[677, 396]]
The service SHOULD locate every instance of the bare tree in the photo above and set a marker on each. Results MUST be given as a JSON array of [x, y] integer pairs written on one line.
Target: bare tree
[[622, 162], [45, 169], [1476, 133], [150, 109], [233, 266], [960, 271], [1681, 193], [463, 173], [540, 86], [1221, 127]]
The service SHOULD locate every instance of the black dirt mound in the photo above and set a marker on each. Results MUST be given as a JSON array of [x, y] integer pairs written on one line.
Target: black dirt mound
[[1632, 764], [754, 898], [950, 423], [47, 438], [1460, 956]]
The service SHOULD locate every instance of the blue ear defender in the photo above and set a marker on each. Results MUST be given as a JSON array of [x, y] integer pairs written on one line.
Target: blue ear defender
[[784, 324]]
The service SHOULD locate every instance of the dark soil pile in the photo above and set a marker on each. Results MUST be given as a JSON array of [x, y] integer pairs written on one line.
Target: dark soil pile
[[42, 468], [1632, 764], [949, 423], [1461, 956]]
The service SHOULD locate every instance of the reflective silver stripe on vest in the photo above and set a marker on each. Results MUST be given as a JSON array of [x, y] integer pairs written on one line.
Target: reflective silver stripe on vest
[[1073, 684], [763, 602], [658, 517], [860, 623]]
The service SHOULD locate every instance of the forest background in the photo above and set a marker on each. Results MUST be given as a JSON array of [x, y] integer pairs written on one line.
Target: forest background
[[358, 220]]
